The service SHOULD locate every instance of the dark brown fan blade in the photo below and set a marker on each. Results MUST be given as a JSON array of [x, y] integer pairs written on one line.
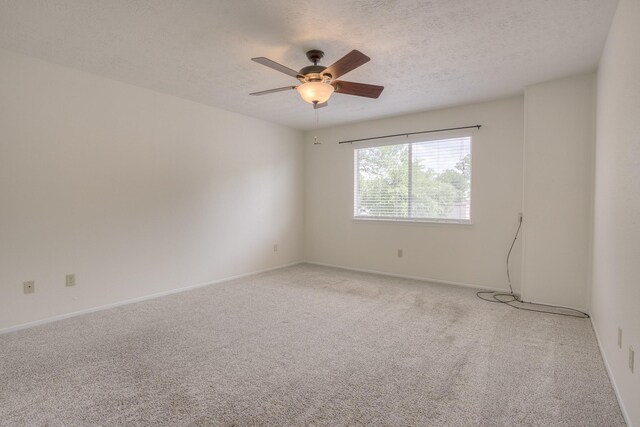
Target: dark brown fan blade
[[350, 61], [357, 89], [265, 92], [324, 104], [278, 67]]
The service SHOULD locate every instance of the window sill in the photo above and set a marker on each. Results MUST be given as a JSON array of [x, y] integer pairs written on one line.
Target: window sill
[[463, 222]]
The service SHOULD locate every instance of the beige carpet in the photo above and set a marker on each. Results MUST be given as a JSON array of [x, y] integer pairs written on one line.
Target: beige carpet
[[308, 345]]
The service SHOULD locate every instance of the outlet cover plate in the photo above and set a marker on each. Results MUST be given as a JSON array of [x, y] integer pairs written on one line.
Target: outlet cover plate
[[70, 280], [619, 338], [29, 287]]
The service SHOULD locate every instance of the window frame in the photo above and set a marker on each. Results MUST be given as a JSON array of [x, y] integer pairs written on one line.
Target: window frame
[[432, 221]]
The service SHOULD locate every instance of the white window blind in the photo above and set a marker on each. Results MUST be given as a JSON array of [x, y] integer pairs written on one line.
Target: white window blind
[[428, 180]]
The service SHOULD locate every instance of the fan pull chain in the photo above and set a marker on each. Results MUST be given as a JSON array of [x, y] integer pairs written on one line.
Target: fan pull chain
[[315, 138]]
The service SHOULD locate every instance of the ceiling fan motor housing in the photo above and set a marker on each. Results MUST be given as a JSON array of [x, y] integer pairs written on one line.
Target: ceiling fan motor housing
[[313, 73]]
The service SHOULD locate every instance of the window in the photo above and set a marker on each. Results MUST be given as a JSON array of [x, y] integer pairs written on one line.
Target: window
[[428, 181]]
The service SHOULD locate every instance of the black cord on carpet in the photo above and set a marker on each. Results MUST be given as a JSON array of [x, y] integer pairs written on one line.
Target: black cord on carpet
[[511, 299]]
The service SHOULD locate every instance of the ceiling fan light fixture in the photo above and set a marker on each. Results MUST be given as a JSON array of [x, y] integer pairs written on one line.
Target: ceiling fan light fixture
[[315, 92]]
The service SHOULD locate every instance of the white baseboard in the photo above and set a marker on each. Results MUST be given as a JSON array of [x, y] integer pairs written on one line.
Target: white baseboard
[[404, 276], [610, 373], [427, 279], [137, 299]]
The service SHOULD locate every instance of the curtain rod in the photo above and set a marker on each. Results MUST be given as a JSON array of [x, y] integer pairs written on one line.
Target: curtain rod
[[351, 141]]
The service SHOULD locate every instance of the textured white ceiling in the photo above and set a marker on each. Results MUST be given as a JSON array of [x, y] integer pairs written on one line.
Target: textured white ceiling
[[427, 53]]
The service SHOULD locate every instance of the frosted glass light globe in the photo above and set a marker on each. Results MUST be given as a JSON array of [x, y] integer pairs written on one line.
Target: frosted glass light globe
[[315, 92]]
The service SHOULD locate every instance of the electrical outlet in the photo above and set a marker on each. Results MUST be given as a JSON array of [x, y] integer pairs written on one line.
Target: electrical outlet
[[400, 253], [71, 280], [29, 287], [631, 359], [275, 248], [619, 338]]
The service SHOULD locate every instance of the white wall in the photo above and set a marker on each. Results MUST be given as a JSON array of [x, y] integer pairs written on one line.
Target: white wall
[[133, 191], [466, 254], [616, 256], [558, 183]]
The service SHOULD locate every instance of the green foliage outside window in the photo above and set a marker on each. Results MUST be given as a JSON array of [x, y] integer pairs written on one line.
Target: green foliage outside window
[[384, 182]]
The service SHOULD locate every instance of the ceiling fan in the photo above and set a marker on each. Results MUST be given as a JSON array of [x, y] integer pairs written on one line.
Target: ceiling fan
[[318, 83]]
